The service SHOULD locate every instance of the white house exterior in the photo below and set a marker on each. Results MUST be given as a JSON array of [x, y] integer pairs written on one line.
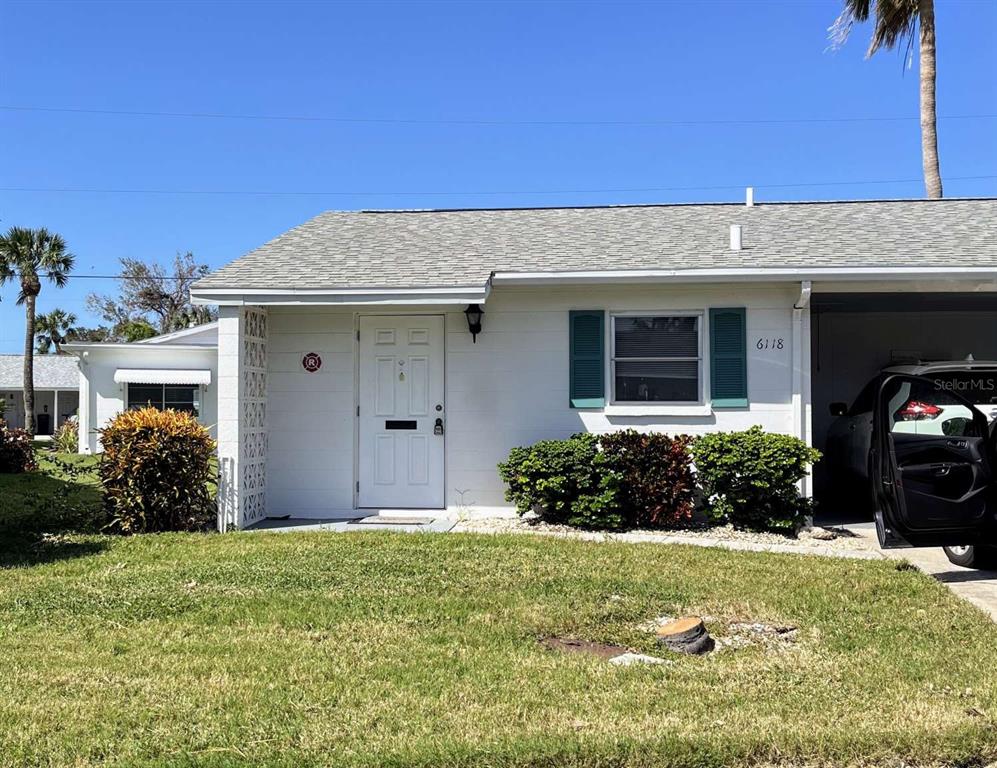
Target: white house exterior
[[344, 350], [176, 370], [57, 383]]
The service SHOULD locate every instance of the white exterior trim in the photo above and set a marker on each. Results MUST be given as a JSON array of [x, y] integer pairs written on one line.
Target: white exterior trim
[[753, 274], [82, 347], [183, 333], [341, 296]]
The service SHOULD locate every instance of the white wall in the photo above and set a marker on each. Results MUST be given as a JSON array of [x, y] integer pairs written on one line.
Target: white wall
[[104, 398], [508, 389], [310, 415]]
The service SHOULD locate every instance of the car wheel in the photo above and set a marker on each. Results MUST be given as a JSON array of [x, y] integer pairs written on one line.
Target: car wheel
[[972, 557]]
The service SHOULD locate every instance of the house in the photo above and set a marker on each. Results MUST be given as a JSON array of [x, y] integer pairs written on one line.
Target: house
[[57, 388], [387, 360], [176, 370]]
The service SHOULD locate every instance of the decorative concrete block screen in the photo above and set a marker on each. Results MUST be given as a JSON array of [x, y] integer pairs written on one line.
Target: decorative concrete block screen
[[253, 416]]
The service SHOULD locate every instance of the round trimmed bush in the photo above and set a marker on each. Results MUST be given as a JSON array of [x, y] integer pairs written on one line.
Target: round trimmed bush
[[749, 478], [564, 481], [156, 470]]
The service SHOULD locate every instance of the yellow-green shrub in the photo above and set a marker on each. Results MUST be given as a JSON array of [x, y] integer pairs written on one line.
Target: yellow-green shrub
[[156, 470], [67, 437]]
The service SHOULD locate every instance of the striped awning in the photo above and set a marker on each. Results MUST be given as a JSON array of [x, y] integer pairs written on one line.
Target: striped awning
[[161, 376]]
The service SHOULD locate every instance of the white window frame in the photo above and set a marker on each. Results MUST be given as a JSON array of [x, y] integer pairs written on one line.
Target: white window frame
[[671, 406]]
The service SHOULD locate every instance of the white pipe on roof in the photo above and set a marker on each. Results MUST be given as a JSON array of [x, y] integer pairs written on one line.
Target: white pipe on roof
[[735, 237]]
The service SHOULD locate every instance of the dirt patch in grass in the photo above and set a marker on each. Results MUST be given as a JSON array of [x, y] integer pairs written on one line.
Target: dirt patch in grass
[[571, 645]]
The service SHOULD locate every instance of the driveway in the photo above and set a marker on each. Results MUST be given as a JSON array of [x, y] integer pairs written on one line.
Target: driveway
[[977, 587]]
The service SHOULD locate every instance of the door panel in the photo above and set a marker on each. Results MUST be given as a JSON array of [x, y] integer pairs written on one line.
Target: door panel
[[931, 461], [400, 399]]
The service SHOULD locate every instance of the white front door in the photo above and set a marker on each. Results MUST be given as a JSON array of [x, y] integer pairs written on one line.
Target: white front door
[[401, 412]]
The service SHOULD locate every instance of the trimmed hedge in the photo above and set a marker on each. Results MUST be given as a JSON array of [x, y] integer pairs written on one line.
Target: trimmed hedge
[[749, 478], [156, 470], [16, 452], [630, 479]]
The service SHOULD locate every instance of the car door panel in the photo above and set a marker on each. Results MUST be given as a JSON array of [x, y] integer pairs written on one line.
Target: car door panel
[[946, 478], [931, 460]]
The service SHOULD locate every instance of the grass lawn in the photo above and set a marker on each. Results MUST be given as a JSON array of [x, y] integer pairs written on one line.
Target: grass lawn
[[397, 649]]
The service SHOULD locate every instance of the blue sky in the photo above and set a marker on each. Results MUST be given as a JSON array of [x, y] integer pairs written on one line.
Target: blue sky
[[466, 99]]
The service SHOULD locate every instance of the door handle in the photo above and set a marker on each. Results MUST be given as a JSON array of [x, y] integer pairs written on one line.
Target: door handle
[[957, 443], [438, 427]]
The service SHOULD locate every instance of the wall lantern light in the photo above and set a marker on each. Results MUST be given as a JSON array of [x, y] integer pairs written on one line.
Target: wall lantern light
[[473, 314]]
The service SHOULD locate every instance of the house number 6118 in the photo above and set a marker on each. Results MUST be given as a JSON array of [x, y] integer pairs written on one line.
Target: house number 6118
[[770, 344]]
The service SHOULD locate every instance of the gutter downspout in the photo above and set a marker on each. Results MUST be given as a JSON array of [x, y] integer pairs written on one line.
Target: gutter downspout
[[801, 372]]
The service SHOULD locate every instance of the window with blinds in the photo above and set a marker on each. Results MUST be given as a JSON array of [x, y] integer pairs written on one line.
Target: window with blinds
[[657, 359], [177, 397]]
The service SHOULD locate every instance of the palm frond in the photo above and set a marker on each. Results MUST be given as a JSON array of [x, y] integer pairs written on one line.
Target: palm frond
[[896, 21]]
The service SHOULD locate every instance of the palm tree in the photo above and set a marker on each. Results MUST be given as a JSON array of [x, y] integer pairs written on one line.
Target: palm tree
[[28, 255], [52, 330], [896, 21]]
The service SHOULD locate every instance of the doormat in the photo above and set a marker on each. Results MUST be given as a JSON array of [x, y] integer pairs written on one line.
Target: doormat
[[376, 520]]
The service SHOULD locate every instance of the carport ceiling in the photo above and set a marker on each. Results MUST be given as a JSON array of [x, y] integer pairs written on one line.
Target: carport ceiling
[[904, 302]]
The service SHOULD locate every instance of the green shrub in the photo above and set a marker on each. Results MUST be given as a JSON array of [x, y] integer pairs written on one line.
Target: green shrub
[[155, 471], [657, 488], [67, 437], [16, 452], [564, 481], [749, 478]]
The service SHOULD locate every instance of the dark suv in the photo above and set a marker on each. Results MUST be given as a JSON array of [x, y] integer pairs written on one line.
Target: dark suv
[[921, 435]]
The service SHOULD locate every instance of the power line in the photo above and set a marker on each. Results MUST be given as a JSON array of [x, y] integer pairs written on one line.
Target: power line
[[427, 193], [76, 276], [486, 122]]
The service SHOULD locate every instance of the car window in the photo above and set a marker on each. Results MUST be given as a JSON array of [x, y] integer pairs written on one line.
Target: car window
[[925, 408]]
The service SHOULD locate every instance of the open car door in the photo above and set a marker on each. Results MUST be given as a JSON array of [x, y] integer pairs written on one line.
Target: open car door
[[931, 465]]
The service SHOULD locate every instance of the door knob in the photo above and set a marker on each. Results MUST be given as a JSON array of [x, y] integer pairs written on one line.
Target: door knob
[[438, 427]]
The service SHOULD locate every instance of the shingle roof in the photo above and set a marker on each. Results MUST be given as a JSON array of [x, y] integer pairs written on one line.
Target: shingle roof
[[438, 248], [51, 372]]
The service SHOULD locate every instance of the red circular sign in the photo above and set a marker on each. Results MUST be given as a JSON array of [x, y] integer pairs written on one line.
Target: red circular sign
[[311, 362]]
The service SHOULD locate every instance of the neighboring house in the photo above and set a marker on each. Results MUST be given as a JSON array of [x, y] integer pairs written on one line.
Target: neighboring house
[[349, 379], [57, 387], [177, 370]]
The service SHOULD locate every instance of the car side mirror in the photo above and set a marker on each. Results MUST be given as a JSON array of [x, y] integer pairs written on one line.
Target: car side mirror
[[838, 409]]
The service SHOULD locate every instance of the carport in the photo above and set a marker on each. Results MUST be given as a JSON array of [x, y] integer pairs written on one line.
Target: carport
[[855, 335]]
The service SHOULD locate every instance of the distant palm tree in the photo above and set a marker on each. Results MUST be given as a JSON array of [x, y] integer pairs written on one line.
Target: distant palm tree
[[28, 255], [53, 329], [897, 21]]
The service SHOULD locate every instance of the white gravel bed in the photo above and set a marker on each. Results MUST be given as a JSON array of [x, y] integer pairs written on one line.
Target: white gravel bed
[[833, 542]]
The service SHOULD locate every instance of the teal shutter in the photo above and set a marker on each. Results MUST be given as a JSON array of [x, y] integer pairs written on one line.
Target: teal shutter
[[587, 380], [728, 358]]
